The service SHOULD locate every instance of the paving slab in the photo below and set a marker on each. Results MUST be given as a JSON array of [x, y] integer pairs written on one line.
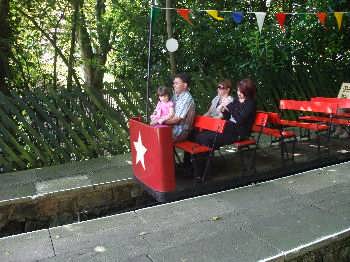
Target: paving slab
[[15, 191], [122, 232], [186, 212], [101, 254], [26, 247], [67, 176], [233, 245], [62, 184]]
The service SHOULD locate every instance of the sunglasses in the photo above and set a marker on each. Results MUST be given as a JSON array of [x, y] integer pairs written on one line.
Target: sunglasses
[[221, 87]]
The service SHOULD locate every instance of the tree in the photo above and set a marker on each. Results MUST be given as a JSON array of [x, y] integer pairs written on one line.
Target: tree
[[4, 45], [96, 45]]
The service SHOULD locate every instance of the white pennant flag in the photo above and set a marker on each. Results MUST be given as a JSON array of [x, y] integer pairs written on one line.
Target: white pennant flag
[[260, 18]]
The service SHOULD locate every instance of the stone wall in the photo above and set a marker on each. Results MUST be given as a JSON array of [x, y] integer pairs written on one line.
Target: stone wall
[[65, 207], [332, 249]]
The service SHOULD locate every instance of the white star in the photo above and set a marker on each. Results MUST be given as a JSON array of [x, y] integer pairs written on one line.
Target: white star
[[140, 151]]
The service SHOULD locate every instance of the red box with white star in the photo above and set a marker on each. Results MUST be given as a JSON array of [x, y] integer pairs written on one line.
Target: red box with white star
[[152, 156]]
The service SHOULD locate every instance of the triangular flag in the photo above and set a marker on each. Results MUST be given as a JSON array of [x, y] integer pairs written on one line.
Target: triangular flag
[[268, 3], [281, 18], [215, 14], [339, 17], [185, 14], [237, 17], [322, 16], [260, 17]]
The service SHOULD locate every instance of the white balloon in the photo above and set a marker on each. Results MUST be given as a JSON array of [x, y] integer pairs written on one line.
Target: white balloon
[[172, 45]]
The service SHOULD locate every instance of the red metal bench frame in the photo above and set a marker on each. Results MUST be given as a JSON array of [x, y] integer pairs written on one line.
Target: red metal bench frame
[[251, 144], [313, 107], [339, 119], [283, 137]]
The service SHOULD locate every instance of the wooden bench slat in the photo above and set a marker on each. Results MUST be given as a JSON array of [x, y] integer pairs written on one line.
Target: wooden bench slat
[[344, 122], [276, 133], [192, 147], [305, 125], [208, 123], [309, 106]]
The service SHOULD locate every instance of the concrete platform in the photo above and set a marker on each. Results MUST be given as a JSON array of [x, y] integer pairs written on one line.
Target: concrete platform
[[282, 220], [47, 180]]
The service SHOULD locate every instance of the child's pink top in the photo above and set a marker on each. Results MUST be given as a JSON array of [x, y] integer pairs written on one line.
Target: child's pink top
[[162, 111]]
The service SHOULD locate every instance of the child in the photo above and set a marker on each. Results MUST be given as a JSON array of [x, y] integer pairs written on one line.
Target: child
[[165, 107]]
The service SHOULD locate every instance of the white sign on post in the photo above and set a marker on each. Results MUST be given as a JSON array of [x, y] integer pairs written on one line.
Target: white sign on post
[[344, 91]]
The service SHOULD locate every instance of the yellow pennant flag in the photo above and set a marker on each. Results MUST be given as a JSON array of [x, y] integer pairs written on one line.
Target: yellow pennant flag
[[215, 14], [339, 17]]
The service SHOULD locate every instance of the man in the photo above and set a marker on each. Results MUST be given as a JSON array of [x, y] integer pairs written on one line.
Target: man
[[184, 108]]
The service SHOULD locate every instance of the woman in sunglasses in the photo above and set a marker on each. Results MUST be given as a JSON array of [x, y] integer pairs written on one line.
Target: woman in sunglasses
[[240, 115], [222, 99]]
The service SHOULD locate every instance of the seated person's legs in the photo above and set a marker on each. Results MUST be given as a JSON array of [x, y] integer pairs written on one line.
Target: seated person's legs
[[208, 138], [204, 138]]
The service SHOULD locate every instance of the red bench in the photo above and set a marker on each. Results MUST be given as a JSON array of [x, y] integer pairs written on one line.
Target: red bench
[[202, 123], [341, 102], [217, 126], [283, 137], [336, 118], [312, 107]]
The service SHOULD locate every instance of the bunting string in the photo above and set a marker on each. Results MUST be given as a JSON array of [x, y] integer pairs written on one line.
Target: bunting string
[[247, 12], [238, 16]]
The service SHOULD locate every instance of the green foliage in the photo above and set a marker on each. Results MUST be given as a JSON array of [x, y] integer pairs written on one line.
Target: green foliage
[[50, 127]]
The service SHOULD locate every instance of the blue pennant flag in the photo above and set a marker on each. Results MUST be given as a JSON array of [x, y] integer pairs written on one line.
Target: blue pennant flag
[[237, 17]]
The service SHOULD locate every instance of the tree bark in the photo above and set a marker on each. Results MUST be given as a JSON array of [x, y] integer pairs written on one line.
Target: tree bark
[[4, 45], [55, 52], [170, 35], [75, 5], [94, 62]]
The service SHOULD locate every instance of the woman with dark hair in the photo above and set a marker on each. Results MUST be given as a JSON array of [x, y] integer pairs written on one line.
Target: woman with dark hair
[[240, 115], [241, 112]]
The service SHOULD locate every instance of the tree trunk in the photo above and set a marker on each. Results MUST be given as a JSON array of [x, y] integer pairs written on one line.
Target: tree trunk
[[4, 45], [75, 5], [170, 35], [94, 62], [54, 38], [55, 60]]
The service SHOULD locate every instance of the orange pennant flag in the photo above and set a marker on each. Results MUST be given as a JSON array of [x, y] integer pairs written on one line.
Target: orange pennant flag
[[185, 14], [322, 16], [281, 18], [339, 17], [215, 14]]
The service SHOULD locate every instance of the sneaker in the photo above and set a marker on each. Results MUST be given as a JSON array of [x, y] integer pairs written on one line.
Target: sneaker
[[344, 135], [198, 179], [338, 131]]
